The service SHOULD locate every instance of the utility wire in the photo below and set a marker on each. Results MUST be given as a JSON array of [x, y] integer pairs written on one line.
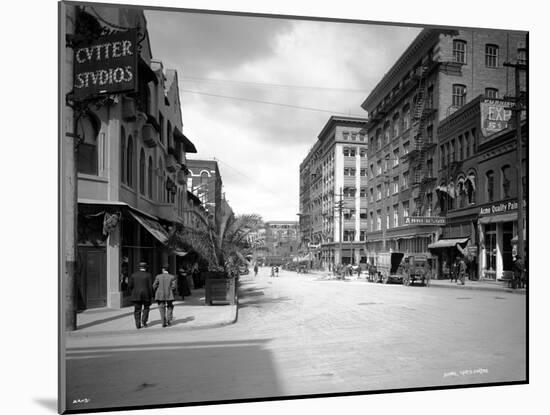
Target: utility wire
[[273, 103], [268, 85]]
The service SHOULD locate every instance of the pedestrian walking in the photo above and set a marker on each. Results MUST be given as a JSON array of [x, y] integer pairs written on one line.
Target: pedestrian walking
[[182, 283], [165, 285], [277, 272], [454, 270], [141, 294], [272, 271], [517, 268], [255, 270], [461, 269]]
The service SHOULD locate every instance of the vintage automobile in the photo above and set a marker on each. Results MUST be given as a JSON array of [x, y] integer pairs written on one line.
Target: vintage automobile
[[416, 269]]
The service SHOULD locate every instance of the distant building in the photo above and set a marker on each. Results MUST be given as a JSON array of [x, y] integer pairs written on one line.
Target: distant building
[[335, 168], [439, 73], [206, 183], [281, 241]]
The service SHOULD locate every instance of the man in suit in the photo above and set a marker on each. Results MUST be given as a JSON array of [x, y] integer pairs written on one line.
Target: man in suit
[[141, 289], [165, 285]]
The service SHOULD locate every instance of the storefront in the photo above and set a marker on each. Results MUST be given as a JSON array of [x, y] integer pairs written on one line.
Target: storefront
[[446, 250], [498, 226]]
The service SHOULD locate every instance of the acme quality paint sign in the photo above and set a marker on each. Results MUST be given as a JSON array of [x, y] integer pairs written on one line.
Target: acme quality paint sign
[[108, 65]]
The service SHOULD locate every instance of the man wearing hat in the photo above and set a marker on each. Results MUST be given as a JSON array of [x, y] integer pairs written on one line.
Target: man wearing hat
[[141, 294], [165, 285]]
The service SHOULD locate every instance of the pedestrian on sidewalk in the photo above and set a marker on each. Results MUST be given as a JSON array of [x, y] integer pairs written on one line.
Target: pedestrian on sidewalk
[[165, 285], [277, 272], [141, 294], [462, 270], [182, 283], [255, 269], [272, 271], [518, 269]]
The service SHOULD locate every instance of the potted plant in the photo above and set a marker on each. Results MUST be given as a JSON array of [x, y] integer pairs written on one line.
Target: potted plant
[[223, 244]]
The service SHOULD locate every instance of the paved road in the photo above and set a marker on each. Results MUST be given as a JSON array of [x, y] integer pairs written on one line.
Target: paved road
[[300, 335]]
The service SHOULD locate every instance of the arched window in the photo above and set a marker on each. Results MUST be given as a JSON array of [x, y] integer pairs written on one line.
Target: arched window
[[460, 193], [160, 186], [150, 173], [490, 185], [122, 155], [130, 162], [88, 129], [470, 188], [204, 179], [169, 134], [506, 181], [142, 172]]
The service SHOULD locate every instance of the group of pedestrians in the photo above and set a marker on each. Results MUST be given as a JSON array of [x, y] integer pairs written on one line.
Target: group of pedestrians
[[274, 271], [459, 270], [143, 290]]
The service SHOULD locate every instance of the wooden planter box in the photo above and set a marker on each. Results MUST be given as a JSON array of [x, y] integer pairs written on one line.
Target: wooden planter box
[[219, 289]]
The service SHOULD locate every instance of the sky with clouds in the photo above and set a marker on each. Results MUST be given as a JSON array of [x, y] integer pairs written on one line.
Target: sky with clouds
[[328, 67]]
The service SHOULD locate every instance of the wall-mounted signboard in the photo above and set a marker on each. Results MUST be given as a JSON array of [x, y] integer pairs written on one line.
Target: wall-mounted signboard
[[424, 220], [107, 65]]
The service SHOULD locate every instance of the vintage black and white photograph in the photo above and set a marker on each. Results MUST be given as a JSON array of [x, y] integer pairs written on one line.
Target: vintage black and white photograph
[[259, 206]]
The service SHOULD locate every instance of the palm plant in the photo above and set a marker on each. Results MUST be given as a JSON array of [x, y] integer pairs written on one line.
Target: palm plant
[[222, 243]]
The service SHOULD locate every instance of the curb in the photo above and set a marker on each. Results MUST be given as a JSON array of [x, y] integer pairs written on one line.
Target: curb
[[80, 334], [470, 287]]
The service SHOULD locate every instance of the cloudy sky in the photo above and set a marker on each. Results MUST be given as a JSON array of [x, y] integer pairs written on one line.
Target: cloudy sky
[[326, 67]]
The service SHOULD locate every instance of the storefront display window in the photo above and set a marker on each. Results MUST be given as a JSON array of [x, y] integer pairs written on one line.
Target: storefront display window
[[490, 250]]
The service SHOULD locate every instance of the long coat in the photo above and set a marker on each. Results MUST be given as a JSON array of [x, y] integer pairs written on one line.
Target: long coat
[[165, 285], [141, 286]]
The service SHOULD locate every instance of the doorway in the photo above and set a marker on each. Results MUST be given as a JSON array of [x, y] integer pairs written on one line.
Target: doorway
[[92, 278]]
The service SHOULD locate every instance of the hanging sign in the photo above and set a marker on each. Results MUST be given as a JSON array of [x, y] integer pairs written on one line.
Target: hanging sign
[[495, 115], [107, 65]]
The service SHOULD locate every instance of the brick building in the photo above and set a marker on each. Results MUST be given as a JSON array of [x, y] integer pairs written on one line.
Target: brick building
[[281, 241], [440, 72]]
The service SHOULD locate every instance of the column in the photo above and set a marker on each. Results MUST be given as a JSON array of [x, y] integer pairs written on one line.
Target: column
[[500, 266], [114, 296]]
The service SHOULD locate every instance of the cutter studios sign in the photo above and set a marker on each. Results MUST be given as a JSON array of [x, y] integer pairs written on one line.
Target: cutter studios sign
[[108, 65]]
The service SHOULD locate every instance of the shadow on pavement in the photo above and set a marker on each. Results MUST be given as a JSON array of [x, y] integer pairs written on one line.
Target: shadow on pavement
[[170, 373], [106, 320], [48, 403]]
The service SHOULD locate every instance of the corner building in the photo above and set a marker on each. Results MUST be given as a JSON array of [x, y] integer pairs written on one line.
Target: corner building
[[335, 169], [440, 72]]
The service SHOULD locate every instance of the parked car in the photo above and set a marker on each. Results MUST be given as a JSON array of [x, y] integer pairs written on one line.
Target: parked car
[[416, 269], [388, 267]]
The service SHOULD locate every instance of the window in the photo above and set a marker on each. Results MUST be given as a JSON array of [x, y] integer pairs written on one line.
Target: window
[[346, 152], [395, 185], [363, 152], [363, 213], [506, 174], [349, 214], [467, 144], [491, 93], [490, 185], [405, 209], [429, 201], [349, 191], [371, 214], [363, 192], [122, 155], [453, 152], [142, 172], [430, 100], [491, 56], [395, 157], [88, 129], [406, 118], [169, 134], [460, 148], [378, 219], [160, 181], [161, 125], [522, 56], [379, 192], [405, 182], [345, 135], [406, 147], [371, 191], [395, 216], [387, 186], [130, 162], [378, 167], [459, 95], [363, 236], [150, 173], [362, 137], [395, 125], [349, 236], [430, 168], [378, 140], [353, 136], [442, 155], [430, 133], [387, 217], [363, 172], [459, 51]]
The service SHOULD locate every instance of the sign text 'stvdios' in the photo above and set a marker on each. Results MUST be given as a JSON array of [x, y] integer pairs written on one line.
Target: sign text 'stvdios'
[[105, 66]]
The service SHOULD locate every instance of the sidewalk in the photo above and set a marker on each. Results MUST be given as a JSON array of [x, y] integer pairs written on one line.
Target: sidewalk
[[189, 314], [496, 286]]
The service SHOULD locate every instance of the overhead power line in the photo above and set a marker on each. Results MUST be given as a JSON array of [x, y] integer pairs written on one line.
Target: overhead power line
[[257, 101], [269, 85]]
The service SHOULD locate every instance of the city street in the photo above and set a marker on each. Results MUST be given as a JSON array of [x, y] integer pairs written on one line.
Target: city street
[[299, 334]]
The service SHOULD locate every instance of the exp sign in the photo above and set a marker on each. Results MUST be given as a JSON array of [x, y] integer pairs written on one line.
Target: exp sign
[[495, 115], [108, 65]]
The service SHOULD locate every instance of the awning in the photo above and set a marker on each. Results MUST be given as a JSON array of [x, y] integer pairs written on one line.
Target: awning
[[507, 217], [188, 146], [180, 253], [448, 243], [152, 226]]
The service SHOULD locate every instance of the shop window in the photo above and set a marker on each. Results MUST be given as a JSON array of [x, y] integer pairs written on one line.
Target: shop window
[[491, 248], [88, 130]]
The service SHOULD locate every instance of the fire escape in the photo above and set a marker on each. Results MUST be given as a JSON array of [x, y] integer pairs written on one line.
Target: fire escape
[[421, 144]]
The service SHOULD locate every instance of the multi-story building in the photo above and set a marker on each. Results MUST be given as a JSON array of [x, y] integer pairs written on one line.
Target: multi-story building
[[478, 187], [281, 241], [131, 156], [440, 72], [333, 193], [205, 181]]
